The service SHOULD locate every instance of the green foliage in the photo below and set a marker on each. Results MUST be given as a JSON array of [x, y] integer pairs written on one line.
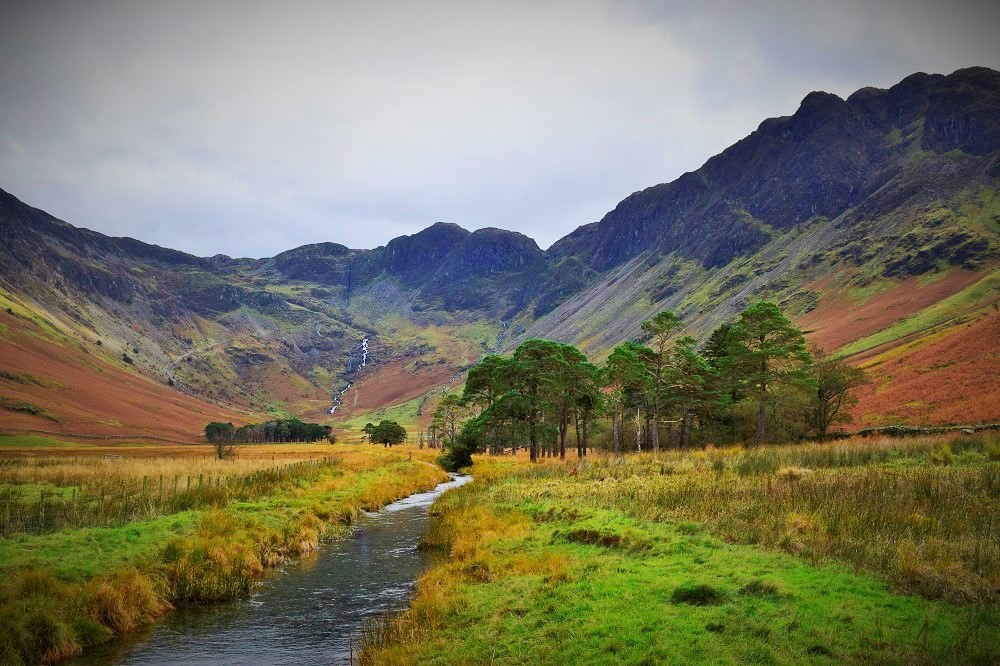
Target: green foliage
[[388, 433], [458, 454], [770, 352], [752, 377], [834, 380], [276, 431]]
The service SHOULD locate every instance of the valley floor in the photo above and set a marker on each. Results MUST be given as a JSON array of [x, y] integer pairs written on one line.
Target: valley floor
[[114, 550], [874, 552]]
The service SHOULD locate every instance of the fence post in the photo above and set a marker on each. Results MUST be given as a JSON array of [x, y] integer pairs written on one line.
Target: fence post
[[189, 483], [199, 481], [41, 510], [161, 490], [175, 485], [143, 486]]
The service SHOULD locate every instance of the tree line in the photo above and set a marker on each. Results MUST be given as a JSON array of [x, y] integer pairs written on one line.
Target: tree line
[[270, 432], [753, 380]]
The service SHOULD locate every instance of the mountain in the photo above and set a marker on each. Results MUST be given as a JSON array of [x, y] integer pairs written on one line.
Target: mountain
[[873, 221]]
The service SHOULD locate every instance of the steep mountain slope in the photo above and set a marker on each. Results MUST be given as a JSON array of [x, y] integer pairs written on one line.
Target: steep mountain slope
[[861, 217], [874, 221], [53, 382]]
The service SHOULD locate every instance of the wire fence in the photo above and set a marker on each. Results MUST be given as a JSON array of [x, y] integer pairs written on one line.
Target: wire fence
[[123, 502]]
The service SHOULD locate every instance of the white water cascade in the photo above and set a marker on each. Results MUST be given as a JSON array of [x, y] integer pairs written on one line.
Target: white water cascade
[[338, 398]]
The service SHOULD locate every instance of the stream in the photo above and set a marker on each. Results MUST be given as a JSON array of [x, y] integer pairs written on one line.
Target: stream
[[304, 613]]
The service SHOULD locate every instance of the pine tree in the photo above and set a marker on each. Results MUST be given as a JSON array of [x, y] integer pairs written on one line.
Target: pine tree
[[771, 352]]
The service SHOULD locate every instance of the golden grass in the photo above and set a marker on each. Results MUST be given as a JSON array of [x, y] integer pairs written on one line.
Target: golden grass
[[228, 550]]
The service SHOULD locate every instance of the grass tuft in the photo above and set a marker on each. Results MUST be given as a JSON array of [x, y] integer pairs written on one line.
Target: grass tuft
[[697, 594]]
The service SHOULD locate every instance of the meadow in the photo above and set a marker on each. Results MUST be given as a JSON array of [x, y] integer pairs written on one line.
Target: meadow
[[866, 550], [92, 570]]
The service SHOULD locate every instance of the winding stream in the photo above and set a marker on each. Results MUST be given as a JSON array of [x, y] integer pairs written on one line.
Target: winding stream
[[304, 614]]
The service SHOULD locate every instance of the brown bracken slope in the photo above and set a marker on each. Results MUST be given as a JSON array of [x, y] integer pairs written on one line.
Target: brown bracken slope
[[81, 393]]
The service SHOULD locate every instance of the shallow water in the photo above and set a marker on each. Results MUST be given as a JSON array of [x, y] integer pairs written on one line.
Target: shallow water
[[304, 614]]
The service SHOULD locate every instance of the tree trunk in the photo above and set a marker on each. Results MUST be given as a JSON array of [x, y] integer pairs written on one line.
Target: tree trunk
[[614, 428], [584, 435], [576, 429], [760, 415], [563, 426], [533, 441], [656, 407]]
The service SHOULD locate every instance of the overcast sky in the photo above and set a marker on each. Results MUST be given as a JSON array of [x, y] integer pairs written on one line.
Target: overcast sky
[[249, 128]]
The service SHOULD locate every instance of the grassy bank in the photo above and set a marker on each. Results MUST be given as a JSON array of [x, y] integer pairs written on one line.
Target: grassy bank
[[67, 589], [874, 551]]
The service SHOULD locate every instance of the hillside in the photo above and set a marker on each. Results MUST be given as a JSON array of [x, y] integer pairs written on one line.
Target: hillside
[[873, 221]]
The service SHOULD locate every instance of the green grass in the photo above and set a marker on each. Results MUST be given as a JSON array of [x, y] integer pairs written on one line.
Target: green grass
[[404, 413], [879, 551], [33, 441], [668, 596], [81, 554], [32, 492]]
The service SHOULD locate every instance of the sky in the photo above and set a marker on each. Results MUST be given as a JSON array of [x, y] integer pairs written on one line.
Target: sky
[[248, 128]]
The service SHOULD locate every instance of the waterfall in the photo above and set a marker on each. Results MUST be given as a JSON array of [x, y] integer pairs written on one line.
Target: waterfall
[[338, 398]]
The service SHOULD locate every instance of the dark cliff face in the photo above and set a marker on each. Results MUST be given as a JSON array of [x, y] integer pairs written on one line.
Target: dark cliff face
[[964, 113], [826, 158], [486, 252], [430, 262], [415, 257]]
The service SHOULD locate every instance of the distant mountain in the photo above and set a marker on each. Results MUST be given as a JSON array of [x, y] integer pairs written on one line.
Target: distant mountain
[[874, 221]]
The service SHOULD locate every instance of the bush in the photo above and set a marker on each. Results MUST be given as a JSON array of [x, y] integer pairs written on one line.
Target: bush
[[459, 454]]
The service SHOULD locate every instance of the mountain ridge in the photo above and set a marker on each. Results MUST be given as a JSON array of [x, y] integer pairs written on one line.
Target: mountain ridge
[[878, 188]]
